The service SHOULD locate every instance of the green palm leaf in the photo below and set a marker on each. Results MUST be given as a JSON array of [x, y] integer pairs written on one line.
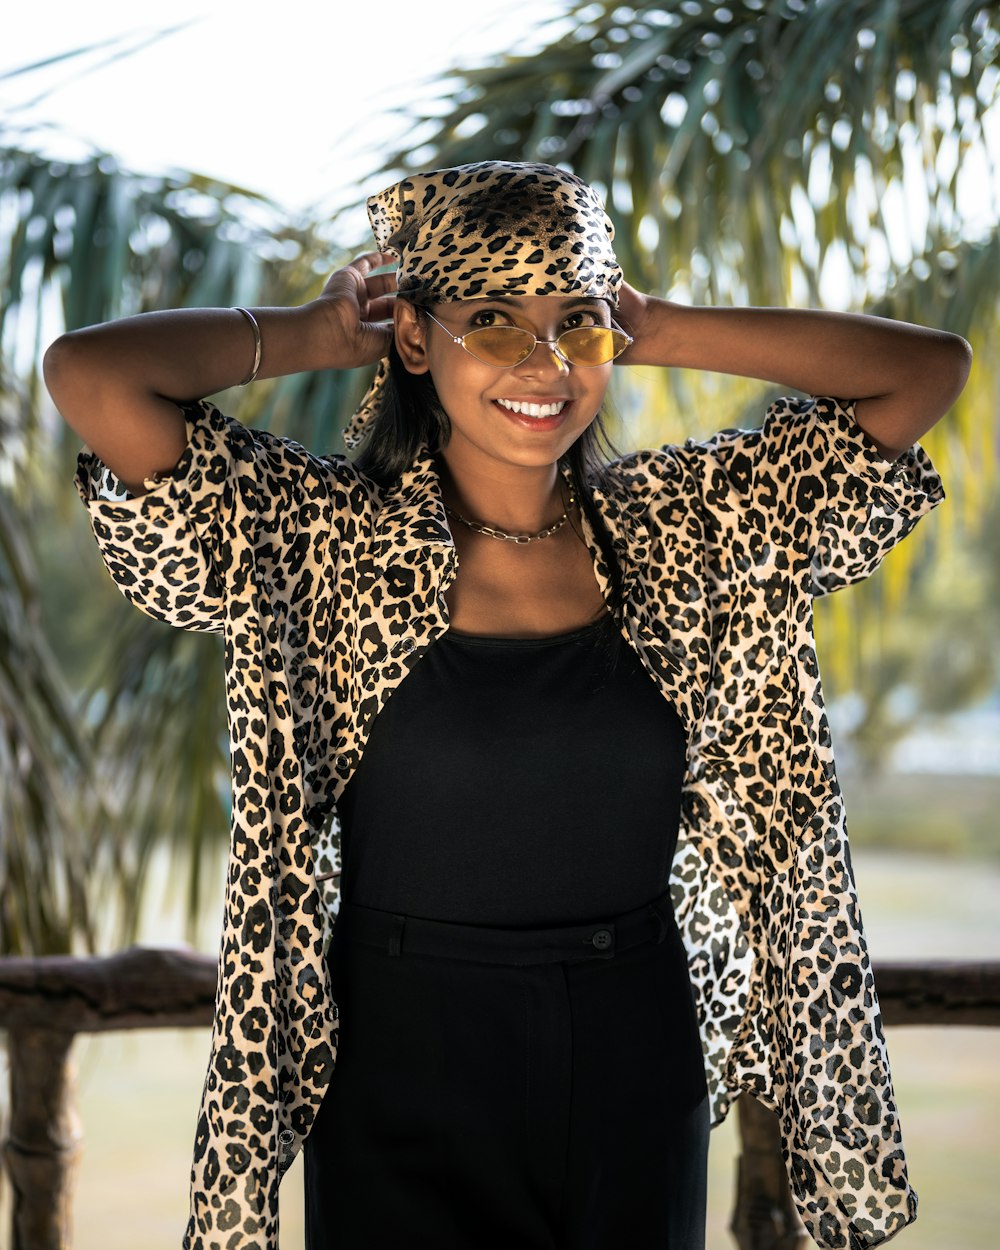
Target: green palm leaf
[[52, 862], [710, 123]]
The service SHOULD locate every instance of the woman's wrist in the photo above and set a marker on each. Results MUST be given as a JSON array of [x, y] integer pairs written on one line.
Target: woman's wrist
[[303, 338], [330, 343], [657, 326], [292, 340]]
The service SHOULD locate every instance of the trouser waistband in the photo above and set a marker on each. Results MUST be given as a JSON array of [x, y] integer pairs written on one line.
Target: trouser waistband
[[599, 939]]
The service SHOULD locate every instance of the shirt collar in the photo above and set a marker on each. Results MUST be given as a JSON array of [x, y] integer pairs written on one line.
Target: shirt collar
[[412, 512]]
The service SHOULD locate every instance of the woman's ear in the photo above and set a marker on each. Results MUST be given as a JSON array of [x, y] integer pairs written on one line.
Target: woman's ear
[[411, 333]]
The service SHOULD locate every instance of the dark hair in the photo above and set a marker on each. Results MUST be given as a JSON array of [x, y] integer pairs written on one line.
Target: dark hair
[[410, 415]]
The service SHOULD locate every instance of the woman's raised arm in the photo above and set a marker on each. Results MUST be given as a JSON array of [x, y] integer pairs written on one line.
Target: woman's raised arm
[[903, 377], [118, 384]]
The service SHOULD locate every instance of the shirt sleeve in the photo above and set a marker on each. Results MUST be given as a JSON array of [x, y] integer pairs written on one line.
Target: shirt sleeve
[[867, 504], [808, 490], [180, 550]]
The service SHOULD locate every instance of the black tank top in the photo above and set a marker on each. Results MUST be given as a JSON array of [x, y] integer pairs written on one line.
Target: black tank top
[[517, 782]]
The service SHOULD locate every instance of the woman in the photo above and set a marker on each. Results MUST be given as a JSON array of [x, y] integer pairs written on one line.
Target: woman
[[609, 678]]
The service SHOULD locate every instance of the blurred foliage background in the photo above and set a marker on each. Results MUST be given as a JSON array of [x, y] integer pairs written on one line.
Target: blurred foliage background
[[764, 151]]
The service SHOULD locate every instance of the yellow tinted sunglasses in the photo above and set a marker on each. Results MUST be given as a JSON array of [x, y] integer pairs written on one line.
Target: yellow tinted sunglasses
[[506, 346]]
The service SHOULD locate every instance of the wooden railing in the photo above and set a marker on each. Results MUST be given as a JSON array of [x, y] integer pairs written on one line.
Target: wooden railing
[[44, 1003]]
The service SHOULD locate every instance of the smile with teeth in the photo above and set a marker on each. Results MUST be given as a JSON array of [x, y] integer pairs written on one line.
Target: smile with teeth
[[533, 410]]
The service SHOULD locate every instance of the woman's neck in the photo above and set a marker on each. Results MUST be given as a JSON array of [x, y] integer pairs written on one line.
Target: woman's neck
[[519, 499]]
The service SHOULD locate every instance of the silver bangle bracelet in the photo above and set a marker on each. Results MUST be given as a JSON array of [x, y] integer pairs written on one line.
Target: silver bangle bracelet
[[256, 344]]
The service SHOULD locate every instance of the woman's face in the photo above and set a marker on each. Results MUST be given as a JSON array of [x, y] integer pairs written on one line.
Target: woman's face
[[527, 415]]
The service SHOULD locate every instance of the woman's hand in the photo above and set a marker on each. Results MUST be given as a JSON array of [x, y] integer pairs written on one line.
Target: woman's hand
[[631, 315], [357, 304]]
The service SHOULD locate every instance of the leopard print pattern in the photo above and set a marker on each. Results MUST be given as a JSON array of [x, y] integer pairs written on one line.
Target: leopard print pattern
[[491, 228], [497, 228], [328, 590]]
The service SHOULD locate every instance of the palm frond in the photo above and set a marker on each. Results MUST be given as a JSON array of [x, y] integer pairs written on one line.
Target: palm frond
[[51, 802], [706, 126], [157, 703], [110, 242]]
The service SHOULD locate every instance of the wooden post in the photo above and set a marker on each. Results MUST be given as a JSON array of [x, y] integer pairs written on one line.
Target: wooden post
[[43, 1149], [764, 1215]]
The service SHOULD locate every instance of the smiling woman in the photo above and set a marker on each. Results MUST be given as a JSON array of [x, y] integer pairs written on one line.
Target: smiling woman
[[554, 721], [542, 362]]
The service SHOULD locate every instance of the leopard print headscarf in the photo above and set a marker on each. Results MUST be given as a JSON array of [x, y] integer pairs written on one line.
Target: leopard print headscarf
[[491, 228]]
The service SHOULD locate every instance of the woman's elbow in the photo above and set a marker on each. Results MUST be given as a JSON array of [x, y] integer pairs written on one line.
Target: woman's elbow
[[936, 375], [953, 367], [61, 367], [72, 374]]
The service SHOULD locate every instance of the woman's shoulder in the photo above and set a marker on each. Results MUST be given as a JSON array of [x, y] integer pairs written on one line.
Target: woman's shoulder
[[730, 449], [276, 459], [638, 474], [230, 466]]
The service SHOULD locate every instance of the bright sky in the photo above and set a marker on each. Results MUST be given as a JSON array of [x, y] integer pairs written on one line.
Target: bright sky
[[290, 99]]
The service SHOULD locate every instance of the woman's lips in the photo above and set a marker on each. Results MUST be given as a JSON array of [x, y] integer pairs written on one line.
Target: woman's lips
[[539, 423]]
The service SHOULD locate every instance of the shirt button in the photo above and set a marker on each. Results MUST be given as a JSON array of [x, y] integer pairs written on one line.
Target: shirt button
[[286, 1137], [602, 939], [404, 646]]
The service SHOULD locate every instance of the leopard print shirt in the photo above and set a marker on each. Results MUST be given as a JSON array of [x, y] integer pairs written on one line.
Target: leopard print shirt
[[328, 590]]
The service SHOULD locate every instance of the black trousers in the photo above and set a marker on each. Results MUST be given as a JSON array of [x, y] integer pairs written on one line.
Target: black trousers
[[539, 1088]]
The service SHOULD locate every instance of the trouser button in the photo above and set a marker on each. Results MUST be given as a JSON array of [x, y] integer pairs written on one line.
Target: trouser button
[[602, 939]]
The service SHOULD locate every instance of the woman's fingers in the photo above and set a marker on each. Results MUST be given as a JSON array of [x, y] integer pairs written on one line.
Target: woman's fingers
[[380, 284], [356, 282], [380, 309], [631, 315], [368, 261], [358, 302]]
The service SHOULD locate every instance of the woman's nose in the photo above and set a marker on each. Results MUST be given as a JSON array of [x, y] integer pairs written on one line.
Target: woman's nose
[[544, 354]]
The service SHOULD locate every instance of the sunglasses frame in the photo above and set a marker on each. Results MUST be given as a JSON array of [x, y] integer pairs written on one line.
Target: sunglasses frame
[[553, 344]]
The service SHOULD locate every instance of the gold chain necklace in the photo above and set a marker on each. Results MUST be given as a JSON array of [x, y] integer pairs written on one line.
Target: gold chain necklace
[[492, 532]]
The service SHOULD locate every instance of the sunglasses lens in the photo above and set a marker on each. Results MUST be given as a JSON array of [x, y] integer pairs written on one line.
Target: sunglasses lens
[[502, 346], [592, 345]]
